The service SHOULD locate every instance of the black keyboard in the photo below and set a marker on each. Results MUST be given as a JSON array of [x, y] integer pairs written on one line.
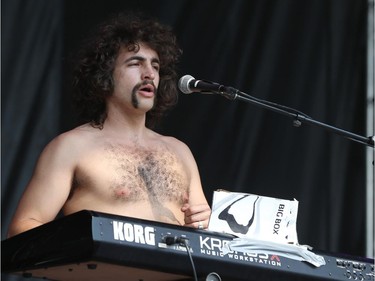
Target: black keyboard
[[94, 246]]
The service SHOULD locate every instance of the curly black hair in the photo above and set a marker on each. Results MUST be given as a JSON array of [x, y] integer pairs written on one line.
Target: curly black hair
[[92, 76]]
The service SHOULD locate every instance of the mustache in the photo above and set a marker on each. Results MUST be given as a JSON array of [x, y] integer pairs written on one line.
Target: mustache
[[134, 98], [144, 83]]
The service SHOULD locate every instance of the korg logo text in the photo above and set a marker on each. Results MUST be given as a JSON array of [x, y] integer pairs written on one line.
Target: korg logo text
[[133, 233], [213, 247]]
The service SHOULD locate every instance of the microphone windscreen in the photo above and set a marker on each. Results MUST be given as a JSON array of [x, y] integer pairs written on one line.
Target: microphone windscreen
[[183, 84]]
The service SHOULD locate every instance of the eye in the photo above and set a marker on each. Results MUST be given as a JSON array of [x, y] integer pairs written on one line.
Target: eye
[[134, 64]]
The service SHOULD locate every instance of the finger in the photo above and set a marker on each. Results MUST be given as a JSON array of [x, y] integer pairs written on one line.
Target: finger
[[196, 217], [185, 207], [203, 224], [195, 209]]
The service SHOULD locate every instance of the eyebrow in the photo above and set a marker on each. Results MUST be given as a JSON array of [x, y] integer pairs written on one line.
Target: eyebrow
[[140, 58]]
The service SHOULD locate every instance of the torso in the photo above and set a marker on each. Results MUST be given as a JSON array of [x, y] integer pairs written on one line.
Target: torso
[[129, 179]]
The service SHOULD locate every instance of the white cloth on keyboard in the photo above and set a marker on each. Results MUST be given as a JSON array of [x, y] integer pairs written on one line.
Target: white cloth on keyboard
[[252, 216], [291, 251]]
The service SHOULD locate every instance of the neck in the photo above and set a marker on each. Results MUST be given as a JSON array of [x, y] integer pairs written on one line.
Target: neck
[[127, 126]]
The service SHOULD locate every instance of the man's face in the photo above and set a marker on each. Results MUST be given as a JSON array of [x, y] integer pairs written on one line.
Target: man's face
[[136, 78]]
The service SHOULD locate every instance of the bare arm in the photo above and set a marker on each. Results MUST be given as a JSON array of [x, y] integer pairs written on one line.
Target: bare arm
[[48, 188], [196, 210]]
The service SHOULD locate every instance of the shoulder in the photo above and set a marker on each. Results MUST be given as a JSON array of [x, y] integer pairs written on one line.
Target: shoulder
[[71, 142], [178, 147], [175, 143]]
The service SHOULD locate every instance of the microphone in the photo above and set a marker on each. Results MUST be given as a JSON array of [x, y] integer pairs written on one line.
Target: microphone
[[188, 84]]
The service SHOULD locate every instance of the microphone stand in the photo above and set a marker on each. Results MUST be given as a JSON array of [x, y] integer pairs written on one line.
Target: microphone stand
[[298, 117]]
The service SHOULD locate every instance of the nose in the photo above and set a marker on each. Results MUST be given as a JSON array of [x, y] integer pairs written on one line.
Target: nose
[[148, 72]]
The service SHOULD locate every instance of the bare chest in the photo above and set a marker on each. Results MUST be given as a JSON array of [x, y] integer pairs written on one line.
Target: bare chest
[[125, 173]]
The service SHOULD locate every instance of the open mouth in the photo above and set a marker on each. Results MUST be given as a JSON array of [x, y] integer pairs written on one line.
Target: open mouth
[[147, 88]]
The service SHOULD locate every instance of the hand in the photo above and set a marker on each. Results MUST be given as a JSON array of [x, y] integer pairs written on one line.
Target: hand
[[196, 216]]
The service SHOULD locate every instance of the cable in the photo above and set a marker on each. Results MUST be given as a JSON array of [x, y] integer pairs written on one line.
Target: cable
[[186, 244], [289, 109], [170, 240]]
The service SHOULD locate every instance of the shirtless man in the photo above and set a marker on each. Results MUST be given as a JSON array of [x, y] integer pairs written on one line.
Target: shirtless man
[[114, 162]]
